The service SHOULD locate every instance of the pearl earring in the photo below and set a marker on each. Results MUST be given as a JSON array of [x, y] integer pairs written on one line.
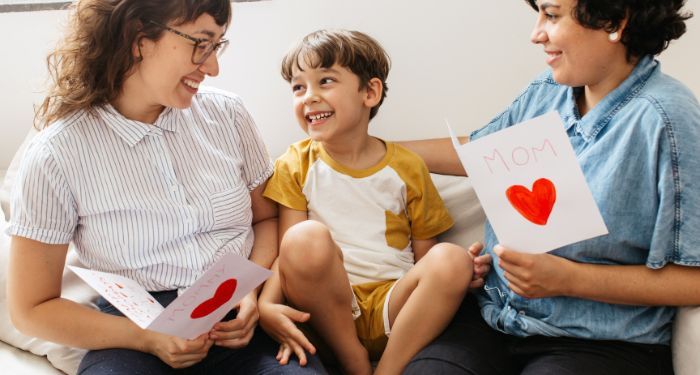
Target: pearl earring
[[613, 36]]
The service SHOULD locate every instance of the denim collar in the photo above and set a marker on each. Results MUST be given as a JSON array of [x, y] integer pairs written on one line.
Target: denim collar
[[596, 119], [132, 131]]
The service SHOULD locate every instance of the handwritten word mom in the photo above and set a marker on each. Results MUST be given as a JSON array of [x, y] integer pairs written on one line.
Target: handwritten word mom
[[519, 156]]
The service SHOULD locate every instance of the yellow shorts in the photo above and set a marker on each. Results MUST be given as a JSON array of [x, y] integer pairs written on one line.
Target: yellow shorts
[[372, 324]]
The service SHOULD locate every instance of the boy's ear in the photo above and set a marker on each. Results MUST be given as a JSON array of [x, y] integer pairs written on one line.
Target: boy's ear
[[374, 90]]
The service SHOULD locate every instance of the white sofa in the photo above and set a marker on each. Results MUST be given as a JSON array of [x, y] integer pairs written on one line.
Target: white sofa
[[20, 354]]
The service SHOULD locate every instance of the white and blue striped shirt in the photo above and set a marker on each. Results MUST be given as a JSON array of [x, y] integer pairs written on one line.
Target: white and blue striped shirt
[[155, 203]]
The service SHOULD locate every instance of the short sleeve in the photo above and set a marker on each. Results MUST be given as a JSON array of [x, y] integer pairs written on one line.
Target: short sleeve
[[676, 235], [43, 208], [286, 184], [425, 208], [257, 167]]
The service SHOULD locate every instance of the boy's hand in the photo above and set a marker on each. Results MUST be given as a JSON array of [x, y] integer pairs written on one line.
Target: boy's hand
[[279, 322], [177, 352], [237, 333], [482, 265]]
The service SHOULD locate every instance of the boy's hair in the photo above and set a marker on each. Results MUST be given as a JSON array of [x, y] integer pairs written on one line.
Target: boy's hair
[[359, 52]]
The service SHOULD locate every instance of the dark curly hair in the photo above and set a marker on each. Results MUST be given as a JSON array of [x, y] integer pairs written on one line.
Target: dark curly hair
[[90, 63], [651, 25], [359, 52]]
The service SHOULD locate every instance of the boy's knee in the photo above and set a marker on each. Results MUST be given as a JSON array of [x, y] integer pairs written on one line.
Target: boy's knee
[[306, 247], [451, 263]]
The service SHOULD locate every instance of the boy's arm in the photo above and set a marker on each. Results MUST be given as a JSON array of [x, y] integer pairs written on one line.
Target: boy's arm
[[288, 218], [272, 290], [421, 247], [439, 155], [277, 319]]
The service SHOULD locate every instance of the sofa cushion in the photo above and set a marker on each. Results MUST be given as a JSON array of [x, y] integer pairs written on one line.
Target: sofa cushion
[[460, 200], [686, 341]]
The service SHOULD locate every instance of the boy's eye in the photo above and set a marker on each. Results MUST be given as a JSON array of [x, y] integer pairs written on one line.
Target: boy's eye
[[296, 88], [326, 80]]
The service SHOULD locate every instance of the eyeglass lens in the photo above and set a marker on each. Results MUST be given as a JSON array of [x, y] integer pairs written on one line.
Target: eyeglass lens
[[203, 50]]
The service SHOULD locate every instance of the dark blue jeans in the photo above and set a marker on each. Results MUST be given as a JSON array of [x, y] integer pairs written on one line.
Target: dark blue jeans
[[470, 346], [256, 358]]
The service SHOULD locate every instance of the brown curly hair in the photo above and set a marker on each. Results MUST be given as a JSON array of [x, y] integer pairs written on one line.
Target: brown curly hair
[[88, 67], [359, 52]]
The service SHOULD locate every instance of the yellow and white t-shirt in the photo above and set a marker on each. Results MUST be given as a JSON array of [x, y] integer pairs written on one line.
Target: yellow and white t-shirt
[[372, 213]]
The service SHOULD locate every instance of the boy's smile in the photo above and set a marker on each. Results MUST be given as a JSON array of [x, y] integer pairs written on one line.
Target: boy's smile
[[318, 117], [329, 103]]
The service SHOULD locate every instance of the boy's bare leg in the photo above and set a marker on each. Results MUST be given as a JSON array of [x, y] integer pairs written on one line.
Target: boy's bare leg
[[423, 303], [314, 280]]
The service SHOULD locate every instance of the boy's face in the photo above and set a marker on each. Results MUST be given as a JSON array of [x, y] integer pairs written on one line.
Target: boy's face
[[329, 104]]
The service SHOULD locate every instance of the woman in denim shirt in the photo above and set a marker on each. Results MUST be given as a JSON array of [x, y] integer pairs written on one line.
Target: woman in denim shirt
[[605, 305]]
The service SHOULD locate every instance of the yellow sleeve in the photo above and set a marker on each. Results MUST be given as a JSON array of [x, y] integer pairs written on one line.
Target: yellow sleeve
[[287, 182], [426, 210]]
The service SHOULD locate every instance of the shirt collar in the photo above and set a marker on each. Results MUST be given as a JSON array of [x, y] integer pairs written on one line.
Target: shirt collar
[[132, 131], [595, 120]]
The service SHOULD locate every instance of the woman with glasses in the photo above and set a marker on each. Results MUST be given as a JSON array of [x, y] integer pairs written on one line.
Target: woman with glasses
[[151, 177]]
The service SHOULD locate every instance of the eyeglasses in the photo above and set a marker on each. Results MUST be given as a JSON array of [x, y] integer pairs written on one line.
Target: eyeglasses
[[203, 48]]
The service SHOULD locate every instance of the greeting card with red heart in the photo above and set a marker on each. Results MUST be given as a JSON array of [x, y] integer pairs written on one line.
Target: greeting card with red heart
[[535, 205], [223, 294]]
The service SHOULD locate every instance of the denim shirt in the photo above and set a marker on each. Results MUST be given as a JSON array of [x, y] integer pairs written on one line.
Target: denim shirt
[[637, 149]]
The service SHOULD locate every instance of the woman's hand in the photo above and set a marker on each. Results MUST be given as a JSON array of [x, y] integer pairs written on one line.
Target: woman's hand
[[279, 321], [535, 275], [177, 352], [238, 332], [482, 265]]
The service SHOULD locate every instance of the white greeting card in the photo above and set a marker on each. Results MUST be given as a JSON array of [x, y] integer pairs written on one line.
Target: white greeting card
[[195, 311], [531, 186]]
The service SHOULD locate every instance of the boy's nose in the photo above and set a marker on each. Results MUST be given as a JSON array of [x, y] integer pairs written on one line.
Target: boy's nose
[[311, 97]]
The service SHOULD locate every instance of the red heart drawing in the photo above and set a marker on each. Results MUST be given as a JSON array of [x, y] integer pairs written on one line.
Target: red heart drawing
[[535, 205], [223, 293]]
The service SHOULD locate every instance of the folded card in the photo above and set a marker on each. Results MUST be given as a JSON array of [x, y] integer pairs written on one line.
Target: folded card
[[531, 186], [194, 312]]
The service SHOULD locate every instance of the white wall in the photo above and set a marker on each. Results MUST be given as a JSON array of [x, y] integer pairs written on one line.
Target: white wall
[[464, 60]]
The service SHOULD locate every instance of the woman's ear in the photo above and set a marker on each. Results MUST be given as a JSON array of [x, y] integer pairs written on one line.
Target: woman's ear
[[374, 90], [136, 49], [616, 35]]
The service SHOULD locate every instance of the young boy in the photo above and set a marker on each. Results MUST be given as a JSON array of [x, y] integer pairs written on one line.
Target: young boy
[[356, 214]]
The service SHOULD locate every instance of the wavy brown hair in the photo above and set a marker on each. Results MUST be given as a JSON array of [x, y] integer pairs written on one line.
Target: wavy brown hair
[[359, 52], [88, 67]]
